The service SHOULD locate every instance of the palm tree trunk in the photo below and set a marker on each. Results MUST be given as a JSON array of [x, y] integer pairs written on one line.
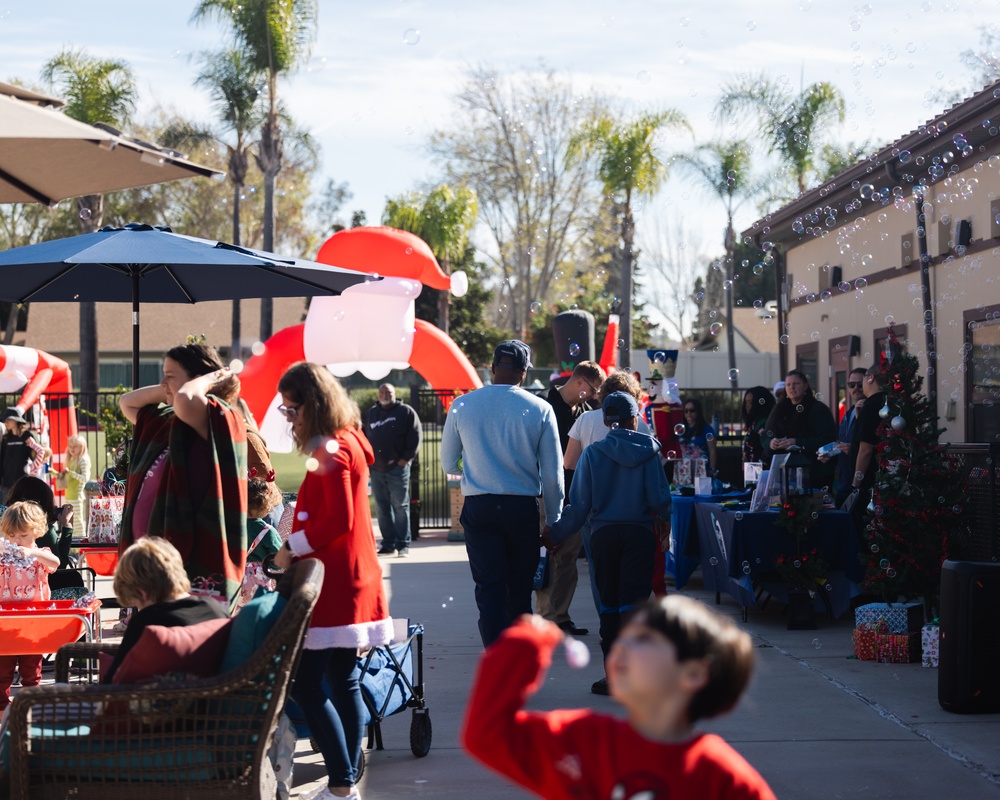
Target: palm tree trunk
[[89, 375], [730, 328], [235, 351], [625, 314], [444, 299], [270, 158]]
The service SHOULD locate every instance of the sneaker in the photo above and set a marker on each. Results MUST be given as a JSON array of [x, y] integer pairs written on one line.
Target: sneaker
[[386, 550], [600, 687], [325, 794], [404, 552]]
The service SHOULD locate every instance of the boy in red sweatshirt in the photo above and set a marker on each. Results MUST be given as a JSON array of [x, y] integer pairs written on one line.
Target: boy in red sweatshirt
[[675, 661]]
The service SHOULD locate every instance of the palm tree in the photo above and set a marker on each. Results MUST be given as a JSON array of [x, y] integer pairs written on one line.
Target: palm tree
[[275, 36], [96, 90], [234, 85], [627, 166], [723, 170], [791, 124], [443, 219]]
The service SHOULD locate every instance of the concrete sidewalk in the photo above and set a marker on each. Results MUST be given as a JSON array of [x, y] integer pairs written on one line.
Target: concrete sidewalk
[[816, 723]]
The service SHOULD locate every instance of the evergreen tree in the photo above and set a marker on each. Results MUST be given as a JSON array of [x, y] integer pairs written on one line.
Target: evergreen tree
[[918, 505]]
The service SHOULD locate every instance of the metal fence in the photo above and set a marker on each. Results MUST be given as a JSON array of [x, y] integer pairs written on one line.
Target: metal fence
[[91, 413]]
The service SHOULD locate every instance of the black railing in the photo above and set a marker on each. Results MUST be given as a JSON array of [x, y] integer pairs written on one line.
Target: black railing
[[85, 409], [430, 505]]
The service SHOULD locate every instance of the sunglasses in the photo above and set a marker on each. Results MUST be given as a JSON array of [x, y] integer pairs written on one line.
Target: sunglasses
[[853, 384], [290, 412], [690, 410]]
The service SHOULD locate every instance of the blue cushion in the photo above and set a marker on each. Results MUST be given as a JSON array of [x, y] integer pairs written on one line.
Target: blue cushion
[[63, 747], [250, 628]]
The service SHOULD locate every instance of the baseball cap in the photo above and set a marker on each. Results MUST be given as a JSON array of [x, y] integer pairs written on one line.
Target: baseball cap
[[619, 406], [778, 385], [513, 353]]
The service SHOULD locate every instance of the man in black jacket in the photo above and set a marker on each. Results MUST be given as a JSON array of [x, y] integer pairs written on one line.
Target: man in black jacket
[[393, 429]]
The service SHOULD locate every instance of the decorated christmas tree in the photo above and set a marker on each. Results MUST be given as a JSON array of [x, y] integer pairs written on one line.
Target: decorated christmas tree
[[917, 506]]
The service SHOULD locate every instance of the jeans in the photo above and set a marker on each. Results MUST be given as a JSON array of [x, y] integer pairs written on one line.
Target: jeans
[[623, 567], [392, 505], [501, 539], [336, 721]]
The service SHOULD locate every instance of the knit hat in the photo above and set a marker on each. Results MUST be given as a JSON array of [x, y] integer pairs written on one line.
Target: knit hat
[[777, 386]]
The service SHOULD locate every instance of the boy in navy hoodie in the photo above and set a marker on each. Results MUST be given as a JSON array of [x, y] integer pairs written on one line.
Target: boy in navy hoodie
[[620, 485]]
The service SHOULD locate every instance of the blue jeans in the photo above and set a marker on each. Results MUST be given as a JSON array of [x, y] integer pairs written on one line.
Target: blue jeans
[[392, 505], [336, 721], [501, 539]]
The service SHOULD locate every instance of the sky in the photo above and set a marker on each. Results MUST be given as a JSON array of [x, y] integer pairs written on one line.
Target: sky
[[383, 73]]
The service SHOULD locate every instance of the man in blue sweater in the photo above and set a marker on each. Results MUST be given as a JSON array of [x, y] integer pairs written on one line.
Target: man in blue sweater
[[504, 443], [620, 485]]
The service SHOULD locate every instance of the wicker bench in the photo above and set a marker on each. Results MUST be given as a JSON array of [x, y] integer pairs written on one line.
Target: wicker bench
[[181, 738]]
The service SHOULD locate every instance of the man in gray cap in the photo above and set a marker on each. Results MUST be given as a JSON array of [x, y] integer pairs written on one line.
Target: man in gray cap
[[504, 442]]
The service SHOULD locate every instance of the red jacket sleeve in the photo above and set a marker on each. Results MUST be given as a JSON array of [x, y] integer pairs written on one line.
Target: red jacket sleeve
[[521, 746], [326, 499]]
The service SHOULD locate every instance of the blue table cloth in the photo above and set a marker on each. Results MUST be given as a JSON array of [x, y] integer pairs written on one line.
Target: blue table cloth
[[680, 561], [738, 550]]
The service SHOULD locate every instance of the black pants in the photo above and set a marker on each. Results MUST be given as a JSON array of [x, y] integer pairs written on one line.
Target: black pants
[[623, 571], [501, 538]]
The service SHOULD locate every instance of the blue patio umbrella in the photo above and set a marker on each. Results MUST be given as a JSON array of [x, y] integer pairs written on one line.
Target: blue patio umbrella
[[154, 265]]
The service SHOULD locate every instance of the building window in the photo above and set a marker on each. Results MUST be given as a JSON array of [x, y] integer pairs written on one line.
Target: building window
[[807, 362], [982, 369]]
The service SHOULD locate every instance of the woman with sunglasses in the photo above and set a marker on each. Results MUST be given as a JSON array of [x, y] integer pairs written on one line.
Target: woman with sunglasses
[[698, 439], [333, 523], [187, 478], [757, 405]]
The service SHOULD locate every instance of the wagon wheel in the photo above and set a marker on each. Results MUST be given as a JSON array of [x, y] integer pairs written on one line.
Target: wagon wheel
[[420, 732]]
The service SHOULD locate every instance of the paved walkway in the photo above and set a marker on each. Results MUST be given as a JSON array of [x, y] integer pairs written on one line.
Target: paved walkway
[[815, 722]]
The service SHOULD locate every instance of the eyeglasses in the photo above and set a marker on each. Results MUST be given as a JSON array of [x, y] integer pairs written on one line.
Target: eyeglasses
[[854, 384], [290, 412]]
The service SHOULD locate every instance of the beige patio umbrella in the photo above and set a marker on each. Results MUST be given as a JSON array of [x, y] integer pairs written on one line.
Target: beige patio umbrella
[[46, 156]]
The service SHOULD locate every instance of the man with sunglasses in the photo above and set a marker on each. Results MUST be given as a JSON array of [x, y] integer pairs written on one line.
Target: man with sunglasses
[[845, 467]]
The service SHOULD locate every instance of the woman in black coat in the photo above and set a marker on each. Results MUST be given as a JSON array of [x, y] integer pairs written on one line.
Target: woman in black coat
[[802, 420]]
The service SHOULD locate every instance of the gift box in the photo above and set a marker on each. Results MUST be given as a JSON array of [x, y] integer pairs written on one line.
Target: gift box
[[898, 648], [865, 644], [930, 639], [898, 617]]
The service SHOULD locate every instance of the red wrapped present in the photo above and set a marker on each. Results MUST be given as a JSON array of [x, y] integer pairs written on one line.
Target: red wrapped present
[[865, 644], [898, 648]]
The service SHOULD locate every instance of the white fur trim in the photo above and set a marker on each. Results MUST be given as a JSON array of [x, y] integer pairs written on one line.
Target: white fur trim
[[361, 635], [299, 544]]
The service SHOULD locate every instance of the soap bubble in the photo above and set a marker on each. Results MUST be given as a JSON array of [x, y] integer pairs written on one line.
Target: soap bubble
[[739, 516], [621, 344], [817, 644], [884, 563], [679, 429], [535, 307], [574, 349], [860, 284], [715, 328], [236, 366], [311, 464], [577, 654], [411, 36], [85, 213], [734, 374], [258, 348], [660, 357], [713, 561]]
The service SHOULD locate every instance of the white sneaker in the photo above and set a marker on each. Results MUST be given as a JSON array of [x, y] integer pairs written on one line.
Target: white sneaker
[[324, 793]]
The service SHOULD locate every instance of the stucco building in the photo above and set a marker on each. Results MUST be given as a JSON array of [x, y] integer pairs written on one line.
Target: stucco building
[[847, 259]]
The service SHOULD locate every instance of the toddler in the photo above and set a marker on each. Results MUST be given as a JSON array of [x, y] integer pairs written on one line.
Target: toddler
[[675, 661], [24, 570], [264, 539]]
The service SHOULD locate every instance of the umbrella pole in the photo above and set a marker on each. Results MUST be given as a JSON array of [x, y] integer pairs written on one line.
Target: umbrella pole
[[135, 330]]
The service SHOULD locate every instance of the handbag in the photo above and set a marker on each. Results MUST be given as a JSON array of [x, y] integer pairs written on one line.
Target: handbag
[[104, 522], [254, 576]]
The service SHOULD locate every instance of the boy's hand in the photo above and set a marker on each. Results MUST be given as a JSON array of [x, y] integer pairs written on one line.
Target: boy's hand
[[550, 544], [66, 516], [662, 529]]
